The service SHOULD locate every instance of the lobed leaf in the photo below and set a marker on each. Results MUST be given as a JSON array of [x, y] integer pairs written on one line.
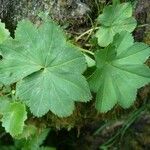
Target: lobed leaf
[[120, 72], [48, 70], [13, 118], [115, 18]]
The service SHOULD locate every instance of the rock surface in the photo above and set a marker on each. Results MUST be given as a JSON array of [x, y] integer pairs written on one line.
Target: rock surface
[[72, 12], [142, 14]]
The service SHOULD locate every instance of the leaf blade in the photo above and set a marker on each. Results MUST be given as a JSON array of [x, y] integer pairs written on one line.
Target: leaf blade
[[119, 66], [40, 60], [14, 117], [114, 19]]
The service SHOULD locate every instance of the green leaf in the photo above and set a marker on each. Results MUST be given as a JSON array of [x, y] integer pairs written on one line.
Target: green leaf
[[120, 72], [47, 68], [115, 18], [13, 118], [38, 139], [4, 33]]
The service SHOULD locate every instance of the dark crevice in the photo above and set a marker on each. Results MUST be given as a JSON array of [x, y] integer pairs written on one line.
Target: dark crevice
[[1, 57]]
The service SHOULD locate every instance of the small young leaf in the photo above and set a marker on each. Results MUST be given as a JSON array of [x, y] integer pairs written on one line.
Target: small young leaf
[[48, 68], [115, 18], [120, 72], [38, 140], [4, 33], [13, 118], [35, 141]]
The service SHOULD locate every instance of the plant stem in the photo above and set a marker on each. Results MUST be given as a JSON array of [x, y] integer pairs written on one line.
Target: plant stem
[[86, 51], [143, 25], [86, 32]]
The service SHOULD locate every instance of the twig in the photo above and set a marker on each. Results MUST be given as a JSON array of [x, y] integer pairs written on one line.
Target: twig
[[86, 32], [86, 51], [143, 25]]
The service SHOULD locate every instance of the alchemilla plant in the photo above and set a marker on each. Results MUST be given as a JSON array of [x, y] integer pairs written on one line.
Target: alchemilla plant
[[47, 70]]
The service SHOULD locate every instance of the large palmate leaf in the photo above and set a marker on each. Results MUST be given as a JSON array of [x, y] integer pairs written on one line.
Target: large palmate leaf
[[4, 33], [115, 18], [48, 70], [120, 72], [13, 119]]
